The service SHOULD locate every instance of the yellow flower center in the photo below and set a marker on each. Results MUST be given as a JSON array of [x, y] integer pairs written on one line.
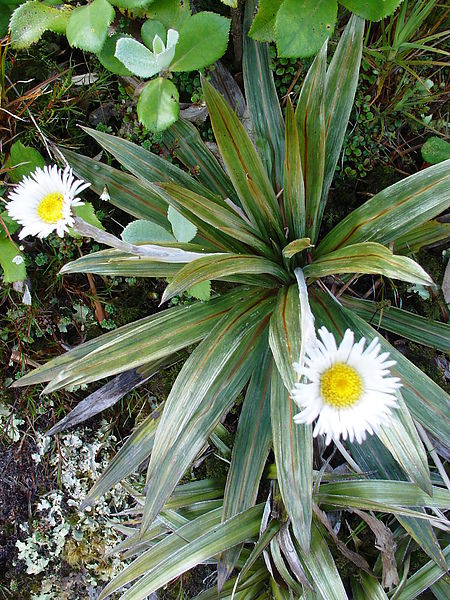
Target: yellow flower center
[[341, 386], [50, 208]]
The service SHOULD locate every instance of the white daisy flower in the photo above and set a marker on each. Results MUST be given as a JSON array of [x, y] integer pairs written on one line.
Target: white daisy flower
[[349, 389], [42, 202]]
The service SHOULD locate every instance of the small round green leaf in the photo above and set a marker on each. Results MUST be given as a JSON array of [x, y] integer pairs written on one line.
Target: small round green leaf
[[87, 212], [203, 40], [130, 4], [373, 10], [31, 19], [22, 161], [182, 229], [158, 105], [435, 150], [263, 26], [87, 28], [171, 13], [145, 232], [107, 58], [302, 27], [11, 261], [149, 29]]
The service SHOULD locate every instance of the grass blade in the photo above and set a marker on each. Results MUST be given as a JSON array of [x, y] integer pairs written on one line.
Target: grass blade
[[223, 219], [375, 491], [162, 551], [375, 459], [134, 451], [425, 234], [403, 442], [285, 334]]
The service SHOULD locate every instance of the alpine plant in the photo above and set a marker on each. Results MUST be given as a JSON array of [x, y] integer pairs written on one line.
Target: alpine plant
[[285, 328]]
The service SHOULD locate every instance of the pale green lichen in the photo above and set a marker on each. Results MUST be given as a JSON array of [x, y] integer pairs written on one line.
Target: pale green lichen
[[60, 533]]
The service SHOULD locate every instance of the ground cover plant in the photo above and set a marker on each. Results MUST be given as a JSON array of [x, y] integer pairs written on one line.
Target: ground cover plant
[[280, 276]]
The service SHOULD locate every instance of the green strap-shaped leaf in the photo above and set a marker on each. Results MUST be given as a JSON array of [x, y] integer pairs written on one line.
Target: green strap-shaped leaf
[[245, 587], [292, 446], [125, 191], [136, 343], [241, 160], [285, 334], [234, 531], [368, 257], [185, 142], [152, 169], [217, 266], [310, 115], [409, 325], [223, 219], [204, 390], [277, 557], [293, 184], [423, 235], [250, 450], [262, 100], [296, 246], [422, 579], [163, 550], [200, 491], [394, 211], [402, 440], [374, 458], [145, 165], [340, 87], [120, 264], [134, 451], [366, 587], [426, 401], [391, 493], [87, 27], [322, 569]]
